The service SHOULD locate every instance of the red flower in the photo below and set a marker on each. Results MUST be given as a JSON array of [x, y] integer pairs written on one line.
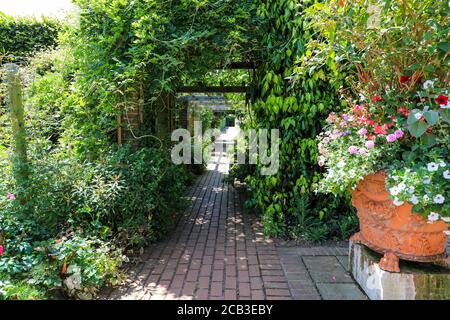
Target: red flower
[[370, 137], [442, 100], [403, 111], [370, 122], [1, 250], [380, 129], [404, 79], [358, 109], [376, 99]]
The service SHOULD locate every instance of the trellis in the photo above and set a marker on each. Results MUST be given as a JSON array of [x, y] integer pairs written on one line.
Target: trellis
[[131, 120]]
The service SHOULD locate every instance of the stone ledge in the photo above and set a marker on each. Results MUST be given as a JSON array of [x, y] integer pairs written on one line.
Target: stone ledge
[[416, 281]]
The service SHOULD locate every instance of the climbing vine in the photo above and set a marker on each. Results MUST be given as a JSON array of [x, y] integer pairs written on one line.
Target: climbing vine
[[298, 85], [125, 46]]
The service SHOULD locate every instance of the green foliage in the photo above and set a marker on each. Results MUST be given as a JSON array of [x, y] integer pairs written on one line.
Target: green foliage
[[298, 87], [30, 268], [123, 45], [23, 36]]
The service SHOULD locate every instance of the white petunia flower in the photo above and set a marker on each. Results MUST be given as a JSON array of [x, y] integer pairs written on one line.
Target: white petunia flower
[[439, 199], [395, 178], [433, 216], [445, 106], [442, 164], [426, 180], [398, 202], [411, 189], [428, 84], [401, 186], [341, 164], [445, 219], [361, 97], [394, 191], [414, 200], [426, 198], [447, 174], [432, 166]]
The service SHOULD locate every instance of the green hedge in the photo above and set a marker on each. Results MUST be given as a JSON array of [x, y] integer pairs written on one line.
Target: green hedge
[[23, 36]]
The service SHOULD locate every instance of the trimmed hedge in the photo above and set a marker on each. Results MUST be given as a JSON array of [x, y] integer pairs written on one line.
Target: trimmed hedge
[[23, 36]]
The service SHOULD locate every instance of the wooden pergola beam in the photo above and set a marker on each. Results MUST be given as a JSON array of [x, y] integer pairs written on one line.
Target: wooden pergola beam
[[208, 89]]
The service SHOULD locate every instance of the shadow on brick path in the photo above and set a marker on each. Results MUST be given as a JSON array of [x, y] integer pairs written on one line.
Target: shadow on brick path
[[217, 252]]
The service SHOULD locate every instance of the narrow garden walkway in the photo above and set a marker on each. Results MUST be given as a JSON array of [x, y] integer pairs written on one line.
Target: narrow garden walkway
[[218, 252]]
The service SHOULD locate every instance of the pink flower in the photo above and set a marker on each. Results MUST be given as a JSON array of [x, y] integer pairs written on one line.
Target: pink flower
[[362, 131], [370, 144], [353, 150], [391, 138], [11, 196], [399, 133], [321, 163], [1, 250], [362, 151]]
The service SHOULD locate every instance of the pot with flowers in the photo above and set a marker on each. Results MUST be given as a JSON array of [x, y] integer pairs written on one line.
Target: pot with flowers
[[391, 147]]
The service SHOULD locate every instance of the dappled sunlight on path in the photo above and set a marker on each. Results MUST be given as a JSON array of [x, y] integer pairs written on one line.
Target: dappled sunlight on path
[[218, 252]]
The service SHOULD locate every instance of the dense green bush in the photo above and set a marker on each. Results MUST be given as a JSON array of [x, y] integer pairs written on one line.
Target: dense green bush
[[98, 205], [75, 264], [23, 36], [126, 196]]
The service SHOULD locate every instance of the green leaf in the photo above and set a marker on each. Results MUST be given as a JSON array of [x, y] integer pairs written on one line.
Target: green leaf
[[414, 66], [430, 68], [418, 128], [412, 117], [429, 140], [443, 46], [432, 117], [408, 156], [445, 114]]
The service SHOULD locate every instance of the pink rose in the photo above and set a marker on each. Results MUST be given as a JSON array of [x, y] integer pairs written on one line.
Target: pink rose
[[353, 150], [391, 138], [370, 144]]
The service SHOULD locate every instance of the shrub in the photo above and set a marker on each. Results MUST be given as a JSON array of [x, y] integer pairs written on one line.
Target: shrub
[[23, 36], [29, 269]]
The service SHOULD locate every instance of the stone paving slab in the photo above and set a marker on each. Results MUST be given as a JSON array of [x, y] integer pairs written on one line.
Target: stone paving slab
[[340, 291], [326, 269], [320, 272], [218, 252]]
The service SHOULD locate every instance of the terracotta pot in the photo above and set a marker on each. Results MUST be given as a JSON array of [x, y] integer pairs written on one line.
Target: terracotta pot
[[395, 231]]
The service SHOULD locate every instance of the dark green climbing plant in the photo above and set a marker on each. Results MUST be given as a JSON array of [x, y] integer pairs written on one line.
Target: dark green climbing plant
[[298, 87]]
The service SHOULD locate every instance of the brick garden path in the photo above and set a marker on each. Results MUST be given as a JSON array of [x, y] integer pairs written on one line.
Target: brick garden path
[[218, 252]]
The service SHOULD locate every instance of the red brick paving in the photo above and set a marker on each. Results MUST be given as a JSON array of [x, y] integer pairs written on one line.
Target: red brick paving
[[218, 252]]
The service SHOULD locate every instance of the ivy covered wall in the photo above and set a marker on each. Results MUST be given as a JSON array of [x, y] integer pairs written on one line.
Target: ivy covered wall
[[299, 86]]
